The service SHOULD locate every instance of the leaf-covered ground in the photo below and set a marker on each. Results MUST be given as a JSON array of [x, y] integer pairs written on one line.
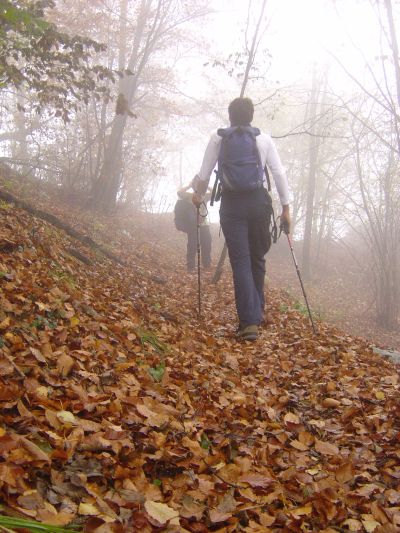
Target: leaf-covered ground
[[121, 411], [338, 292]]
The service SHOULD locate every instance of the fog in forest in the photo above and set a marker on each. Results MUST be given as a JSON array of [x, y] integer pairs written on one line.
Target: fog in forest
[[112, 102]]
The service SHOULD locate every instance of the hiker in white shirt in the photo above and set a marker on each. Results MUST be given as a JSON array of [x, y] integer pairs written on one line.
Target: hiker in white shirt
[[246, 206]]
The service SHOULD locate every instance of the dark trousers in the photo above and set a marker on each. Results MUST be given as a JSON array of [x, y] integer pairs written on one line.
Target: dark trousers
[[245, 219], [205, 247]]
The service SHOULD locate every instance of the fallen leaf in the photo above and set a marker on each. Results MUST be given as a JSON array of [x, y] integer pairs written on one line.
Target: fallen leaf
[[291, 418], [301, 511], [352, 524], [369, 523], [330, 402], [33, 449], [64, 364], [66, 418], [256, 480], [326, 448], [160, 512], [298, 445], [38, 355], [88, 509]]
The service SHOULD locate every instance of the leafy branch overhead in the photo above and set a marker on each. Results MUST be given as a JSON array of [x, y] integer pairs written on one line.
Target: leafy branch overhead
[[57, 69]]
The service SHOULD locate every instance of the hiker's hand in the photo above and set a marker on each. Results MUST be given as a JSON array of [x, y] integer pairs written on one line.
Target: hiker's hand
[[197, 199], [285, 220]]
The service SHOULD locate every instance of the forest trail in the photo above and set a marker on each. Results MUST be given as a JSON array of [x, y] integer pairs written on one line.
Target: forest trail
[[121, 411]]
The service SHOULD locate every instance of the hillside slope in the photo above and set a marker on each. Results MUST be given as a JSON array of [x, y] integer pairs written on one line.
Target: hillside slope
[[121, 410]]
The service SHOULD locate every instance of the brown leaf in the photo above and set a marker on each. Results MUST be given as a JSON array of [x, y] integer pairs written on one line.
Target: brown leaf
[[33, 449], [326, 448], [256, 480], [23, 411], [38, 355], [330, 402], [191, 508], [64, 364], [216, 515], [298, 445], [54, 519], [345, 473]]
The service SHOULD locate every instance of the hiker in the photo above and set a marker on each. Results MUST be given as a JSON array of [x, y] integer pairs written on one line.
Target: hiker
[[242, 152], [186, 220]]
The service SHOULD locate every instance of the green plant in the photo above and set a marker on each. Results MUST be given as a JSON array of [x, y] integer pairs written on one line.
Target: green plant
[[7, 184], [41, 322], [157, 372], [9, 523], [148, 337], [5, 205], [302, 308], [61, 276], [98, 226], [205, 443]]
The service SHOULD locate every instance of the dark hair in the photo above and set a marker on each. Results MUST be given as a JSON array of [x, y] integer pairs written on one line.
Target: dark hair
[[241, 111]]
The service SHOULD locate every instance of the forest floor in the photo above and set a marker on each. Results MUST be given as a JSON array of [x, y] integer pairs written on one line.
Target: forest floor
[[121, 410], [337, 294]]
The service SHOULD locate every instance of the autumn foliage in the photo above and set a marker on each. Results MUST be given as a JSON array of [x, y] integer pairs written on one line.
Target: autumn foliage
[[122, 411]]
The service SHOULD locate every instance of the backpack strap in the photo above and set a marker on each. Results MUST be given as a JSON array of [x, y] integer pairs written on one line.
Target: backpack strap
[[215, 188], [225, 132]]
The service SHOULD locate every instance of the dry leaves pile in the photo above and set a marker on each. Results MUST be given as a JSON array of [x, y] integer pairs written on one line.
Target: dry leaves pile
[[121, 412]]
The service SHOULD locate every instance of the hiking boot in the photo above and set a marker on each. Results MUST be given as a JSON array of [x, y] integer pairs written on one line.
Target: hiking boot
[[248, 333]]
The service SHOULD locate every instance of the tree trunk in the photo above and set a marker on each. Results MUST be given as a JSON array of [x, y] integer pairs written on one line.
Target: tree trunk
[[105, 190], [19, 146], [250, 60], [394, 46], [313, 155]]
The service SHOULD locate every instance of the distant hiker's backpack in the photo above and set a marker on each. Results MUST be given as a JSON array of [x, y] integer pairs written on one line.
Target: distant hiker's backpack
[[239, 164], [185, 215]]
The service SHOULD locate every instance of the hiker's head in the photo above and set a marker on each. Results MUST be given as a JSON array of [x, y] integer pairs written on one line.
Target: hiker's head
[[241, 111]]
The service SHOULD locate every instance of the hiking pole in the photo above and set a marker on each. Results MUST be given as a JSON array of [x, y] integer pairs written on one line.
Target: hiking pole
[[301, 282], [198, 262]]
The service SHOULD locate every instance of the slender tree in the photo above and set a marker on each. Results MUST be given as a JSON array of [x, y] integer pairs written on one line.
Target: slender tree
[[250, 61], [155, 25]]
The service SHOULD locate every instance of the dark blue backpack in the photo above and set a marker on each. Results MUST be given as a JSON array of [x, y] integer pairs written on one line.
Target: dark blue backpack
[[239, 164], [184, 215]]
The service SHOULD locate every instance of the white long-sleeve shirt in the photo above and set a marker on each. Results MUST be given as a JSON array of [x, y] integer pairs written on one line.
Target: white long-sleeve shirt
[[268, 155]]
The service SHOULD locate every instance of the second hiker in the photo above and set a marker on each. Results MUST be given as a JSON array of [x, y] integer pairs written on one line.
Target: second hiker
[[186, 221], [242, 152]]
